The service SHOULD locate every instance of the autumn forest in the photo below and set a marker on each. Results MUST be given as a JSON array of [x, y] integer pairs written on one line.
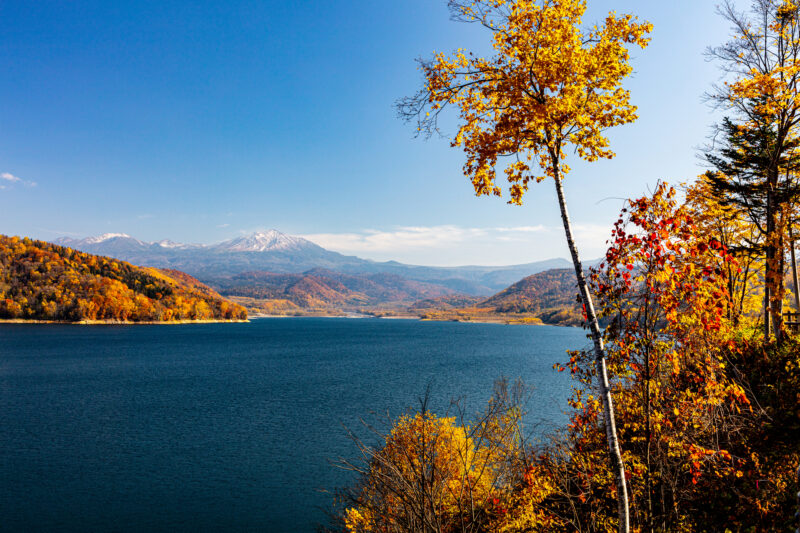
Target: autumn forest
[[43, 281]]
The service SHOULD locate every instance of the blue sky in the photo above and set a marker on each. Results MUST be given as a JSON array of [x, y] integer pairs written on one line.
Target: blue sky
[[200, 121]]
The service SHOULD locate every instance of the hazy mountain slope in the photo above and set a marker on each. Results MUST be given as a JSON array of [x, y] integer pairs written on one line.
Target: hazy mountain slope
[[306, 291], [326, 288], [384, 287]]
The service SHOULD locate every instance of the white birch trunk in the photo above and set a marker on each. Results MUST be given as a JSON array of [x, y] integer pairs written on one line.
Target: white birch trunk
[[600, 362], [794, 270]]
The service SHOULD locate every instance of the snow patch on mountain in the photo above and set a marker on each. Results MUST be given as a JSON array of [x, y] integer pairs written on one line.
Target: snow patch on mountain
[[105, 237], [263, 241], [166, 243]]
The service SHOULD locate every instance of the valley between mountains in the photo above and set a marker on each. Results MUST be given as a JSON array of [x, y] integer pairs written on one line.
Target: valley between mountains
[[271, 273]]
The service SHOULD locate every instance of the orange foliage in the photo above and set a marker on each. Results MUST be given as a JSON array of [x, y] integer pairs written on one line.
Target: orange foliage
[[39, 280]]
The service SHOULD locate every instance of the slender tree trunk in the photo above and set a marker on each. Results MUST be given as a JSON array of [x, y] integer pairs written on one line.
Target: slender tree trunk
[[648, 413], [767, 315], [794, 270], [769, 267], [649, 438], [774, 260], [600, 362], [797, 514], [781, 289]]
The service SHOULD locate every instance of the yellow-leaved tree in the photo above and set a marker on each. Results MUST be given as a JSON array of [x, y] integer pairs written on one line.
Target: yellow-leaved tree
[[757, 155], [730, 224], [550, 85], [440, 474]]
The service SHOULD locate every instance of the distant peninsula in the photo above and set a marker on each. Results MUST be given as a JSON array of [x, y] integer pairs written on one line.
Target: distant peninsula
[[40, 281]]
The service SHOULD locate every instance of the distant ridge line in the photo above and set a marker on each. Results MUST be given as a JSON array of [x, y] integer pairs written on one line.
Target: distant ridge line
[[273, 251]]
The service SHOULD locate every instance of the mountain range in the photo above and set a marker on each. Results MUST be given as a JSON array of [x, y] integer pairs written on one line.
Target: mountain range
[[276, 252]]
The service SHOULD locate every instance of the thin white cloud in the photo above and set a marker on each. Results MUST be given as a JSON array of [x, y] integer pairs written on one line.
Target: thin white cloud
[[223, 225], [9, 179], [61, 233], [457, 245], [592, 235], [523, 229], [402, 239]]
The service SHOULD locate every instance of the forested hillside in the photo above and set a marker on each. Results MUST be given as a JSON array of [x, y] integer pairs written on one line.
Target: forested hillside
[[536, 293], [322, 288], [43, 281], [548, 297]]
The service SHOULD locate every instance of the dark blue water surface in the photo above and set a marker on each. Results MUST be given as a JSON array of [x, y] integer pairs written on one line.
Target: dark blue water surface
[[214, 427]]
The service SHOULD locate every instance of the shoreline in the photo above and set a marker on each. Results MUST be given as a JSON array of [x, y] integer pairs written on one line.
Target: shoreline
[[488, 320], [500, 321], [119, 322]]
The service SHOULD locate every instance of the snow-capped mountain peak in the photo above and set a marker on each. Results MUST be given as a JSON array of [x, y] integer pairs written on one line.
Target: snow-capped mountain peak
[[166, 243], [106, 236], [263, 241], [118, 243]]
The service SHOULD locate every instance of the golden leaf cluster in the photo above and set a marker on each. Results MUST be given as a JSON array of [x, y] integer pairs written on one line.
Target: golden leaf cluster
[[549, 85]]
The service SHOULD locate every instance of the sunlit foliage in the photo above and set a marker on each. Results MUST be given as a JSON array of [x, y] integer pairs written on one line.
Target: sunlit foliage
[[709, 415], [756, 156], [440, 474], [39, 280], [550, 84]]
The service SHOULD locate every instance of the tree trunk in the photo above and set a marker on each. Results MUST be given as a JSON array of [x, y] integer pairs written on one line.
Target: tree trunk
[[600, 362], [797, 514], [769, 267], [794, 270], [781, 285], [767, 315]]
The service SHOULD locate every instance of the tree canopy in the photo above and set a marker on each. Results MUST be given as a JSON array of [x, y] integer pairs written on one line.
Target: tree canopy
[[551, 83]]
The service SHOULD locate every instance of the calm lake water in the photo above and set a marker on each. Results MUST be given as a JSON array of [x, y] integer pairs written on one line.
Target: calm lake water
[[229, 427]]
